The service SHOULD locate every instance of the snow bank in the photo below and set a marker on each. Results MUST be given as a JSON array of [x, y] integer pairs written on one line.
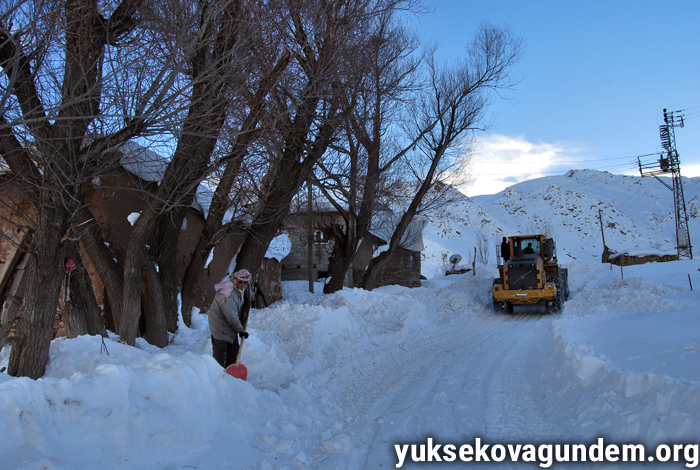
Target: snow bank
[[631, 343], [622, 362]]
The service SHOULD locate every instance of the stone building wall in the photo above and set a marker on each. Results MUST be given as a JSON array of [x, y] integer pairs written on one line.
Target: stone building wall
[[295, 264], [627, 260], [403, 270]]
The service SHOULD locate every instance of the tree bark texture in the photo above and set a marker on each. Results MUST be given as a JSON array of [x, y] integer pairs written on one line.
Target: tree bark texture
[[82, 314], [108, 270], [154, 310], [168, 235], [30, 349]]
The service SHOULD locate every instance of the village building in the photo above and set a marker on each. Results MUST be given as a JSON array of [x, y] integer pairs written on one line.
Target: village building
[[636, 256], [404, 268], [115, 199]]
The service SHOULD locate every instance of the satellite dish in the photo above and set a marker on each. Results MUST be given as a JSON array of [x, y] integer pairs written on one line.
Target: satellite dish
[[454, 259]]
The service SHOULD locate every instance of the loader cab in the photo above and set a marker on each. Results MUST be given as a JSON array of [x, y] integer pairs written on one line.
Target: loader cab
[[526, 246]]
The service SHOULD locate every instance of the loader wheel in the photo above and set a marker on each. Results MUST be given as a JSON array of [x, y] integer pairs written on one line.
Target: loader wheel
[[496, 304], [505, 307], [552, 306], [565, 277], [562, 288]]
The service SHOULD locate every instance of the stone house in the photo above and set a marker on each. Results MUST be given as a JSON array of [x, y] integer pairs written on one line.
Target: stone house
[[403, 269], [638, 256], [115, 197]]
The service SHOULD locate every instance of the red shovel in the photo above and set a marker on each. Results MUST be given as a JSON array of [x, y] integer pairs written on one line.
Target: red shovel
[[238, 370]]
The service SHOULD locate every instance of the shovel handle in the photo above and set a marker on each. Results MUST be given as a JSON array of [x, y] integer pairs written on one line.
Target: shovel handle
[[240, 347]]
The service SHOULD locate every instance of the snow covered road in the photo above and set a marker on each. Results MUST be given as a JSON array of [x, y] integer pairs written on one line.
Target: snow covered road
[[335, 381], [503, 378], [457, 384]]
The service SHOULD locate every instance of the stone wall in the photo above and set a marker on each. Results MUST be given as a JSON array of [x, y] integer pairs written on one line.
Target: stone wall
[[295, 264], [403, 269], [627, 260]]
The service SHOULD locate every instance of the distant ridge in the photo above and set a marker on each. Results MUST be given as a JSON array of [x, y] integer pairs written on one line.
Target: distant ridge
[[637, 217]]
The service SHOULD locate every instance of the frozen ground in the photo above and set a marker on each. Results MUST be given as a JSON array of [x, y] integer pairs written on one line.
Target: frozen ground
[[336, 381]]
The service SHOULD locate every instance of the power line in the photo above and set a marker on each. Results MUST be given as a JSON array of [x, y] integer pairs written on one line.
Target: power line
[[539, 161], [670, 163]]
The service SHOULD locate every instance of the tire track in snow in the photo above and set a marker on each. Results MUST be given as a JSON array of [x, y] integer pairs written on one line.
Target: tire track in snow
[[513, 408], [455, 387], [469, 379]]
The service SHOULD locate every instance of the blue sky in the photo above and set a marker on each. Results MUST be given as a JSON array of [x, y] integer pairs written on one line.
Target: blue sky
[[596, 77]]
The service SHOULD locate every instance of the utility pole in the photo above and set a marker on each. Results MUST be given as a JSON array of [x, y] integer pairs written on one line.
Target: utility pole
[[602, 232], [310, 238], [671, 163]]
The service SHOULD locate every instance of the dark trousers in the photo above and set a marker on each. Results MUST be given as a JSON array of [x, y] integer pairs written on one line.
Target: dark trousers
[[224, 352]]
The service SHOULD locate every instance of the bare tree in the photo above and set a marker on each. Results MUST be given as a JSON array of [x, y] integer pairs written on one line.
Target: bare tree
[[450, 109], [482, 247], [53, 75], [328, 37], [353, 176], [230, 51], [217, 59], [215, 229], [60, 130]]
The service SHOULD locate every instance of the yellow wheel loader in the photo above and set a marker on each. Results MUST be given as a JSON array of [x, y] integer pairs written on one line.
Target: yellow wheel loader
[[530, 274]]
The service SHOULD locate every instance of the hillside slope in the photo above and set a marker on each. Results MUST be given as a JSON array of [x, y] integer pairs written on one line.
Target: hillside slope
[[637, 214]]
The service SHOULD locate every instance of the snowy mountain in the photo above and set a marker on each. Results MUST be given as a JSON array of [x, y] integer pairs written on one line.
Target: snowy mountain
[[637, 215], [373, 380]]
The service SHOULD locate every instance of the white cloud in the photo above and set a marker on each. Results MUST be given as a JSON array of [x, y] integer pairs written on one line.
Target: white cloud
[[500, 161], [691, 170]]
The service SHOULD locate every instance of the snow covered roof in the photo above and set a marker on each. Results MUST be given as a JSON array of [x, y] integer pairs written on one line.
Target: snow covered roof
[[143, 162], [641, 252], [150, 166], [384, 224]]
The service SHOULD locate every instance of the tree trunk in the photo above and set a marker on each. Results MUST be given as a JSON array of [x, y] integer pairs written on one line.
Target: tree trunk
[[376, 266], [82, 314], [341, 257], [252, 252], [192, 275], [107, 269], [154, 309], [136, 258], [169, 235], [30, 348], [210, 236], [337, 268]]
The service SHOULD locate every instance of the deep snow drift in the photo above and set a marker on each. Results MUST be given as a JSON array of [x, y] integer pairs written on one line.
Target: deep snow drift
[[336, 381]]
